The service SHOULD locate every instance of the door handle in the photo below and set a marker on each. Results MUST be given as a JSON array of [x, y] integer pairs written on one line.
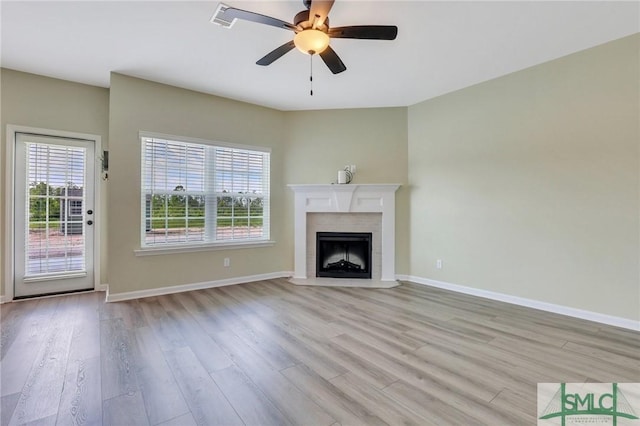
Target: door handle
[[89, 222]]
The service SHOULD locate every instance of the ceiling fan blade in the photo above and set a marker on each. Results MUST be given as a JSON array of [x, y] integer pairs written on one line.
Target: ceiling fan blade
[[276, 53], [320, 9], [367, 32], [232, 13], [332, 60]]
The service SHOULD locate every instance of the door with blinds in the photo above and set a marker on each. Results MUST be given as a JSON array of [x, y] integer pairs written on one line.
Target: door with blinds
[[53, 215]]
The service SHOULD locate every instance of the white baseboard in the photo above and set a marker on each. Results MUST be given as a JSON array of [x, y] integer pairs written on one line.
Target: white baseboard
[[103, 287], [529, 303], [3, 299], [195, 286]]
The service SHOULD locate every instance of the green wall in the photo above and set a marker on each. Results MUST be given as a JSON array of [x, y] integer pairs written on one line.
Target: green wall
[[527, 185], [139, 105], [41, 102]]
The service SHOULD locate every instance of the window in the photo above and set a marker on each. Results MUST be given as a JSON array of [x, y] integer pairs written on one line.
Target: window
[[75, 207], [202, 193]]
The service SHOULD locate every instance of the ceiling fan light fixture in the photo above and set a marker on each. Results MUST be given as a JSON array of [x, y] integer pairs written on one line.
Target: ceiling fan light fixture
[[311, 41]]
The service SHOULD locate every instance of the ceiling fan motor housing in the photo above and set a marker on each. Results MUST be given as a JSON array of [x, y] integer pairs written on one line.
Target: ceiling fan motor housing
[[302, 20]]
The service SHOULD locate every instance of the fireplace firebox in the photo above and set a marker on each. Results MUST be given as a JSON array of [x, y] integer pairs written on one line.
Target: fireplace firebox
[[343, 254]]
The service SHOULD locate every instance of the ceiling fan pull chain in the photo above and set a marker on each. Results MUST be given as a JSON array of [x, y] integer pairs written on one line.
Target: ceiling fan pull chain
[[311, 75]]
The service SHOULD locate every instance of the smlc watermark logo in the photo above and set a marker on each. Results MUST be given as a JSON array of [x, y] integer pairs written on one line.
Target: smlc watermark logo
[[614, 404]]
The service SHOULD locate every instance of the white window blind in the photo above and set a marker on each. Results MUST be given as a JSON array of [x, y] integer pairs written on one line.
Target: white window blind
[[55, 234], [199, 193]]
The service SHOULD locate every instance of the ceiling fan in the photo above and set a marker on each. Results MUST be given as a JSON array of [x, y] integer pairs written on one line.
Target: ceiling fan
[[312, 31]]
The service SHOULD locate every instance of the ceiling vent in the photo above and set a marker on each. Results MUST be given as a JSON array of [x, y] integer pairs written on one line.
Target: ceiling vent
[[218, 17]]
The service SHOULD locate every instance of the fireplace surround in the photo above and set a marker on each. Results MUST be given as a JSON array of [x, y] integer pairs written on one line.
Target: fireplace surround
[[345, 208]]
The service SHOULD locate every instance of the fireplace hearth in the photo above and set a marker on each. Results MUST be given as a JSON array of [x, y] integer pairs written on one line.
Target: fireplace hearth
[[343, 254]]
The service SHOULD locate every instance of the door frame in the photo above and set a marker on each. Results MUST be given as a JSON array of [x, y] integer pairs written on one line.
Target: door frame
[[9, 197]]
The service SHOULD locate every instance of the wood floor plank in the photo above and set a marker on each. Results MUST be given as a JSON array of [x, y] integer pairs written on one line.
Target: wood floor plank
[[247, 296], [385, 312], [209, 323], [234, 301], [40, 397], [454, 406], [253, 407], [489, 370], [184, 420], [618, 333], [164, 329], [193, 301], [288, 312], [318, 353], [125, 410], [109, 311], [378, 403], [225, 308], [255, 338], [117, 361], [382, 298], [85, 342], [269, 350], [81, 400], [7, 406], [629, 348], [423, 402], [12, 316], [162, 398], [525, 404], [530, 370], [582, 365], [22, 352], [208, 352], [415, 370], [44, 421], [493, 328], [376, 333], [280, 391], [131, 314], [598, 354], [338, 404], [289, 338], [207, 403], [170, 303], [299, 298], [548, 324]]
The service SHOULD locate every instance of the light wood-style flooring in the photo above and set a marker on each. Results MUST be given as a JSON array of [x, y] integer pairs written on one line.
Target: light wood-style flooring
[[271, 353]]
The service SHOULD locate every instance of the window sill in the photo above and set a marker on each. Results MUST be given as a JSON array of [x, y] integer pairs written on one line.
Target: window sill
[[154, 251]]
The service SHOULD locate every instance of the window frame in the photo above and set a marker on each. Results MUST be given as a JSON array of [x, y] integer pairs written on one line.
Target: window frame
[[211, 243]]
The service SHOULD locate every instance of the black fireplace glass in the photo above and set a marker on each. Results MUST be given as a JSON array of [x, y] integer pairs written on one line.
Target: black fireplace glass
[[343, 254]]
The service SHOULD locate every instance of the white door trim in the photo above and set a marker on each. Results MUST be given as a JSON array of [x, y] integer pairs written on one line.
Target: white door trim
[[9, 198]]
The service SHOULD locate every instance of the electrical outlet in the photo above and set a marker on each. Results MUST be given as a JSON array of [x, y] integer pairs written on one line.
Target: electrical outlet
[[352, 169], [227, 262], [439, 264]]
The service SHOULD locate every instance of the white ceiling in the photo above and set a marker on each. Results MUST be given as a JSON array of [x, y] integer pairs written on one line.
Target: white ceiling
[[441, 46]]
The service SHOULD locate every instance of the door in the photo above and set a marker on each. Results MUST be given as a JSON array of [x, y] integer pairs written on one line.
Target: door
[[53, 211]]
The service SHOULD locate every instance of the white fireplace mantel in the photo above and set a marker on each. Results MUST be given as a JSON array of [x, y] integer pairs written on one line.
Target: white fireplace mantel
[[351, 198]]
